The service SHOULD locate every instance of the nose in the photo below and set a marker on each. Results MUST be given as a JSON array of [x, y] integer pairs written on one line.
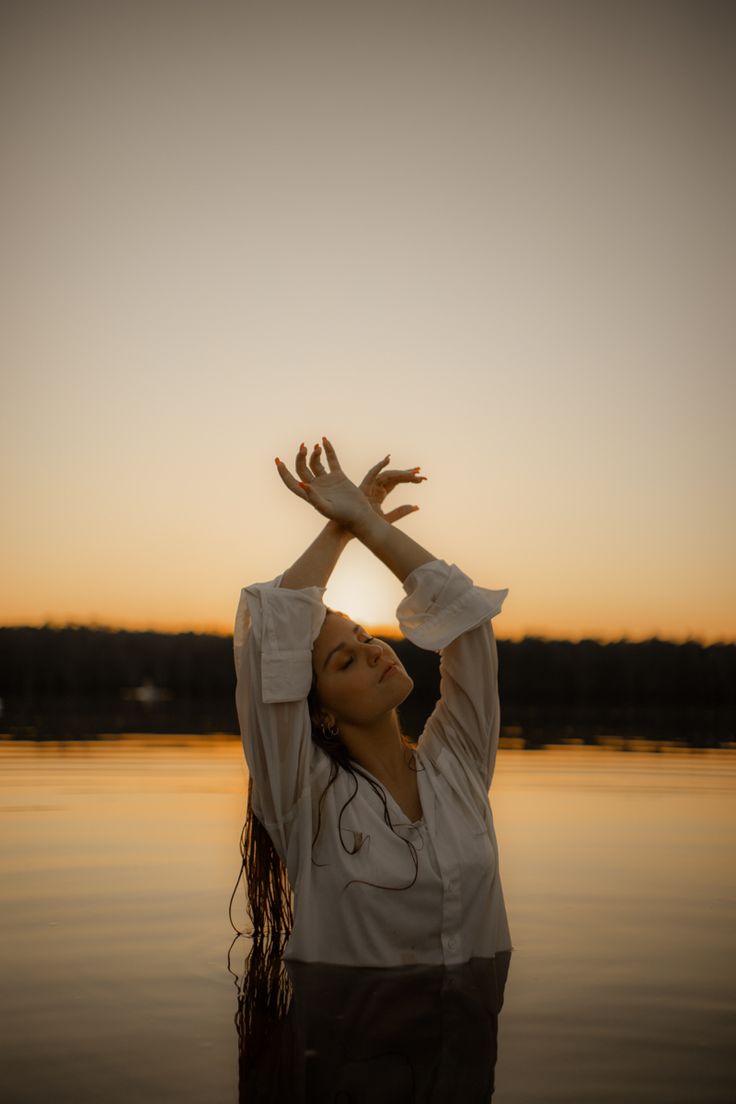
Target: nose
[[375, 651]]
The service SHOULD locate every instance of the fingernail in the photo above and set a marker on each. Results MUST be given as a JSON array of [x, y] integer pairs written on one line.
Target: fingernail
[[304, 486], [277, 460], [302, 446]]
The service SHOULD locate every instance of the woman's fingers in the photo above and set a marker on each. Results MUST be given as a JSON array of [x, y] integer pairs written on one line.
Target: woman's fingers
[[372, 473], [331, 455], [375, 478], [301, 464], [399, 512], [289, 479], [308, 472], [312, 495], [389, 479], [315, 461]]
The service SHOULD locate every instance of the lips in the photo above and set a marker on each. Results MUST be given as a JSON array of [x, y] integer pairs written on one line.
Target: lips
[[391, 667]]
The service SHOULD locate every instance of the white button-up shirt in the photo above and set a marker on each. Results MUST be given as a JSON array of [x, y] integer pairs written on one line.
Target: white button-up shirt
[[454, 910]]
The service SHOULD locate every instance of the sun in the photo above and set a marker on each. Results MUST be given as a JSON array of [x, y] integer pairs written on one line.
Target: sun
[[365, 590]]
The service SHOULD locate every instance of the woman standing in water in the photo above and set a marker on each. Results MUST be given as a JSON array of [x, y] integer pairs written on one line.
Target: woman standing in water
[[389, 847]]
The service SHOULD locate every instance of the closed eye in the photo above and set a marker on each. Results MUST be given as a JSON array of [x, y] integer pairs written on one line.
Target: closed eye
[[368, 640]]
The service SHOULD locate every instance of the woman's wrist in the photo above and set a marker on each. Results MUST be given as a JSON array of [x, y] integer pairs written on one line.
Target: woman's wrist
[[369, 528], [337, 533]]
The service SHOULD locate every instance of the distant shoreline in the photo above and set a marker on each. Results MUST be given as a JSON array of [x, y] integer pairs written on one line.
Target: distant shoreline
[[388, 632], [151, 668]]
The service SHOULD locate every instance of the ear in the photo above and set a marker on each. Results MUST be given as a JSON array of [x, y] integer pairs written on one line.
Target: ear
[[323, 719]]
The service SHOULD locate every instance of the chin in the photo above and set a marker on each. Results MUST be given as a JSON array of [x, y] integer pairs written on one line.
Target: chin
[[405, 689]]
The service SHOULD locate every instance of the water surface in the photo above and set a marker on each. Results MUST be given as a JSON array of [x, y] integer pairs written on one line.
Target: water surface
[[118, 859]]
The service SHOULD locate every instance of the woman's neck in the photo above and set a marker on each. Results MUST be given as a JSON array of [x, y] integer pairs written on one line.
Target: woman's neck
[[378, 748]]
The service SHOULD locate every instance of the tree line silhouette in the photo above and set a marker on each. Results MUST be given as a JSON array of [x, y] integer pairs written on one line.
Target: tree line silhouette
[[79, 660]]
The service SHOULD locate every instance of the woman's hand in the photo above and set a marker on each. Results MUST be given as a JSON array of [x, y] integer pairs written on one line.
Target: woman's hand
[[377, 484], [334, 496]]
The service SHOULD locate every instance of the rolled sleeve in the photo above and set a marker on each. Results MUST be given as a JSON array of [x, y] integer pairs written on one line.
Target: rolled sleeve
[[445, 612], [273, 635], [285, 623], [441, 603]]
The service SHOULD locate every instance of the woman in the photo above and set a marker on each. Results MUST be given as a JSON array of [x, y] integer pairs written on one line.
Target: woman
[[389, 847]]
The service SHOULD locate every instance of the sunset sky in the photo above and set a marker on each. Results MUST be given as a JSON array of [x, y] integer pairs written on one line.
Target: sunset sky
[[495, 239]]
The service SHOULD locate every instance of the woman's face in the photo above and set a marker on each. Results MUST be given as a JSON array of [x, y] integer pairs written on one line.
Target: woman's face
[[359, 678]]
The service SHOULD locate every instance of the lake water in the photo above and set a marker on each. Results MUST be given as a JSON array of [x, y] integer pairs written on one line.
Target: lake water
[[118, 859]]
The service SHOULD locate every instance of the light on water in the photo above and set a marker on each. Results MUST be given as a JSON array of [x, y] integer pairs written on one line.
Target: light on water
[[119, 857]]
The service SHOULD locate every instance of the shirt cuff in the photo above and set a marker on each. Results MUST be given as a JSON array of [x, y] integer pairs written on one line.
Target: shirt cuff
[[284, 623], [442, 602]]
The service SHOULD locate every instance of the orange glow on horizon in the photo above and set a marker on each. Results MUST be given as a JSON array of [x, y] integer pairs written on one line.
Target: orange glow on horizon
[[390, 631]]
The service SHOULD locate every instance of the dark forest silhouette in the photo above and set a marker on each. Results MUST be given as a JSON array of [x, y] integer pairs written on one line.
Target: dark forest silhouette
[[49, 674], [535, 670]]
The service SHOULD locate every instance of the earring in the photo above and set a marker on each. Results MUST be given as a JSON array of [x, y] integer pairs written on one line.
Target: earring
[[330, 731]]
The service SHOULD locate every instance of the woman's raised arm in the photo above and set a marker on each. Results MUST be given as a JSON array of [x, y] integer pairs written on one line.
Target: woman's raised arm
[[399, 552], [316, 563]]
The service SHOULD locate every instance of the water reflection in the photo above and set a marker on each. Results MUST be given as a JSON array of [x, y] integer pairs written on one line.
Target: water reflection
[[310, 1032], [117, 864], [144, 710]]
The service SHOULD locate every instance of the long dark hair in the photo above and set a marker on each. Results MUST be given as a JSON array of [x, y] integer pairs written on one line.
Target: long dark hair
[[269, 899]]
